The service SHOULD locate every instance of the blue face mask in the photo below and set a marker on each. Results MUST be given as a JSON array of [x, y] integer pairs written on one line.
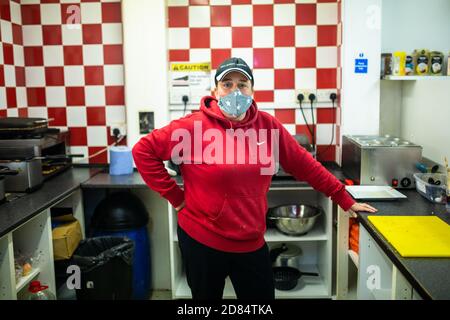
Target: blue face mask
[[235, 103]]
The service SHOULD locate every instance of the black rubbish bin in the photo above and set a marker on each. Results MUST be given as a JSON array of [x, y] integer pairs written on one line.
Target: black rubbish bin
[[106, 265]]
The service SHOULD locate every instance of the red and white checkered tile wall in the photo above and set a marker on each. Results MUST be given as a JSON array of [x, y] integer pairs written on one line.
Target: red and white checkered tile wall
[[68, 66], [290, 44]]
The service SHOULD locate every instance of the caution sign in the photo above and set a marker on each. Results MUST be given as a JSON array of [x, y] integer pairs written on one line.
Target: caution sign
[[191, 67]]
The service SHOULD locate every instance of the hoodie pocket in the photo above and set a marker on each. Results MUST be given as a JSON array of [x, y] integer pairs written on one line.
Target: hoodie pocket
[[242, 217]]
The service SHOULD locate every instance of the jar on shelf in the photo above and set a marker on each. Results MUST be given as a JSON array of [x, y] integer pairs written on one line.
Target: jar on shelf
[[37, 291]]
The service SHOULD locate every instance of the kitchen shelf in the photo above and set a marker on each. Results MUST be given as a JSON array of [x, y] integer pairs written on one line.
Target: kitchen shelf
[[308, 288], [23, 281], [354, 257], [413, 78]]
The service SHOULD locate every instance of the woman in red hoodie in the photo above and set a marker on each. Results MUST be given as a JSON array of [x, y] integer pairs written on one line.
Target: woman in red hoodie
[[228, 153]]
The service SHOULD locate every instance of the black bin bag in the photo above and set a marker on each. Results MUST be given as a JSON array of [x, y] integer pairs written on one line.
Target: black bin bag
[[106, 265]]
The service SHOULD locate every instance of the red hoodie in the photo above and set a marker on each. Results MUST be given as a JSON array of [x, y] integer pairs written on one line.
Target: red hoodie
[[226, 204]]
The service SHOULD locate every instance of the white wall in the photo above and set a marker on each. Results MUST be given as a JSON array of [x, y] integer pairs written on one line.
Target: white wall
[[416, 24], [361, 92]]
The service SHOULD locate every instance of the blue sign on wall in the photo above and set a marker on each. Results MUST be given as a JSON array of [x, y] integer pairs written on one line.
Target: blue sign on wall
[[361, 64]]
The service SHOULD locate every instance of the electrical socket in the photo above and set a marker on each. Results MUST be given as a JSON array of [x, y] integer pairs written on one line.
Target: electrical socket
[[122, 129], [306, 93], [323, 95]]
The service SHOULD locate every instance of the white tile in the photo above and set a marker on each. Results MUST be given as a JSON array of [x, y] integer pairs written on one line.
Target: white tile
[[241, 16], [79, 150], [284, 58], [51, 14], [306, 36], [91, 13], [1, 56], [95, 96], [324, 133], [200, 55], [179, 38], [76, 116], [10, 75], [307, 112], [32, 35], [6, 31], [35, 76], [93, 55], [220, 37], [53, 56], [115, 114], [326, 57], [113, 75], [96, 136], [305, 78], [284, 15], [16, 16], [71, 36], [112, 33], [12, 112], [73, 16], [74, 76], [290, 128], [19, 59], [174, 3], [244, 53], [262, 1], [264, 79], [56, 96], [199, 17], [30, 1], [327, 13], [219, 2], [21, 94], [305, 1], [263, 37], [38, 112], [284, 96], [3, 101], [270, 111]]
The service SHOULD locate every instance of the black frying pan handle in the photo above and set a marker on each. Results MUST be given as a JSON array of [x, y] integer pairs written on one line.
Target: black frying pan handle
[[309, 274], [5, 171]]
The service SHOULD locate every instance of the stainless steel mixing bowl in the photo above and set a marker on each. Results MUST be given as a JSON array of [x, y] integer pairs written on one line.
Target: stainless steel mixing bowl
[[295, 219]]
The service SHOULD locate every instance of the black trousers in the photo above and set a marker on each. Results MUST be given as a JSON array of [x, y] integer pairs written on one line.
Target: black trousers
[[207, 268]]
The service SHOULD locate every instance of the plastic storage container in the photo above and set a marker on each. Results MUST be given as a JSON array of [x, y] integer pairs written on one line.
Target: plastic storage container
[[36, 291], [432, 186]]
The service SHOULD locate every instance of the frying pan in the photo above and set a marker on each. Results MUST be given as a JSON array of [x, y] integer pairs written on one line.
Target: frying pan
[[286, 278]]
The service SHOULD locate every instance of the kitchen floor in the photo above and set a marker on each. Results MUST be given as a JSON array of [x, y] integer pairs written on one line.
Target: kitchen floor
[[161, 295]]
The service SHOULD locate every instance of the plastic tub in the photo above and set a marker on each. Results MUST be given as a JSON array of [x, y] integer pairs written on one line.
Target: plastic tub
[[432, 192]]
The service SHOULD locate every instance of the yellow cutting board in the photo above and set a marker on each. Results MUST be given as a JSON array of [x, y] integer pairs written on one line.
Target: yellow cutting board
[[415, 236]]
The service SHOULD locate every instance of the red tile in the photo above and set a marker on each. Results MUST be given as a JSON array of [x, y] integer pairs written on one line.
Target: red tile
[[326, 153], [324, 1], [264, 96], [285, 36], [101, 158], [111, 12], [36, 97], [284, 1], [284, 79], [73, 55], [303, 129], [52, 35], [20, 76], [241, 1], [23, 112], [326, 115], [218, 56], [242, 37], [178, 55], [305, 57], [111, 139], [11, 98], [263, 58], [8, 53], [93, 75], [178, 17], [17, 34], [33, 56], [113, 54], [78, 136], [199, 37], [285, 115], [326, 78], [2, 75], [31, 14], [198, 2], [54, 76], [306, 14], [96, 116], [59, 115], [75, 96], [115, 96], [263, 15], [3, 113], [220, 16], [326, 35], [92, 33], [5, 10]]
